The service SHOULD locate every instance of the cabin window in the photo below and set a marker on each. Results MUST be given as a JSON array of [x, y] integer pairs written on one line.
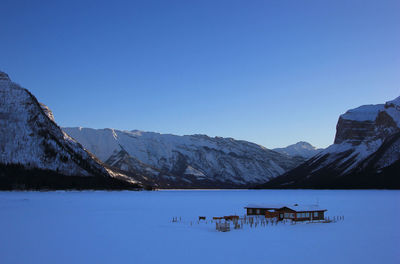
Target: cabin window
[[250, 211], [307, 214], [281, 215], [289, 215], [258, 211], [315, 214]]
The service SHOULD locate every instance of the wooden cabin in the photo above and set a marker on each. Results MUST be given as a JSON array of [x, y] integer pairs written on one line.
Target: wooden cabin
[[293, 212]]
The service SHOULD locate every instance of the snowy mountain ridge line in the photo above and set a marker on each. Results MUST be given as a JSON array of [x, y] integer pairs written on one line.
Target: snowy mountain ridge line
[[363, 130], [185, 158], [365, 153], [15, 125], [371, 112], [302, 149], [30, 139]]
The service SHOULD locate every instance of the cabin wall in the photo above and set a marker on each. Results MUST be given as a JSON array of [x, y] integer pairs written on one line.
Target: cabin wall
[[286, 213], [272, 214], [304, 216], [256, 211], [321, 215], [313, 215]]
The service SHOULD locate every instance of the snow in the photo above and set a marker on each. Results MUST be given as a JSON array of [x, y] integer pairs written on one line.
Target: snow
[[296, 207], [230, 160], [48, 112], [363, 113], [136, 227], [306, 207], [359, 151], [394, 103], [192, 171], [390, 156], [121, 176], [302, 149], [393, 109], [21, 120], [370, 112], [395, 114], [265, 206], [29, 136]]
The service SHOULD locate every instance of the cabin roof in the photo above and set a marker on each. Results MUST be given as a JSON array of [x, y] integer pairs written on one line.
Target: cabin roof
[[295, 207]]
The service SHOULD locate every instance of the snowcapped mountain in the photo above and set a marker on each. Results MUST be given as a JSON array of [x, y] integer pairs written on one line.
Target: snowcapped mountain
[[302, 149], [365, 152], [185, 161], [36, 153]]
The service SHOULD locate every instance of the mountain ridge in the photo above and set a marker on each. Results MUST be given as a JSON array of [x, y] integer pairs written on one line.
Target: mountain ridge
[[366, 150], [31, 142], [177, 159], [301, 148]]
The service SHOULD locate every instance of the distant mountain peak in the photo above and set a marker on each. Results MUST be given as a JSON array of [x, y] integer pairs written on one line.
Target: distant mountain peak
[[304, 144], [301, 148]]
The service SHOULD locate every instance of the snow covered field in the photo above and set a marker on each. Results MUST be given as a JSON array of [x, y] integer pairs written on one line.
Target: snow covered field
[[136, 227]]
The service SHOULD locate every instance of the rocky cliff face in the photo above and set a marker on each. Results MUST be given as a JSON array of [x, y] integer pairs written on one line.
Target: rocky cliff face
[[366, 145], [367, 123], [31, 140], [185, 161], [47, 112]]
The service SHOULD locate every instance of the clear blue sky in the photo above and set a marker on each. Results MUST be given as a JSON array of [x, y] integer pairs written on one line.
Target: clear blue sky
[[272, 72]]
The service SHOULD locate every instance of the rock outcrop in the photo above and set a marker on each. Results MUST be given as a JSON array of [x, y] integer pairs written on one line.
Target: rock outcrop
[[365, 153]]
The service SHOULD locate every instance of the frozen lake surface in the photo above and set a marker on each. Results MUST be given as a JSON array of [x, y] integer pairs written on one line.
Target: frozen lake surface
[[136, 227]]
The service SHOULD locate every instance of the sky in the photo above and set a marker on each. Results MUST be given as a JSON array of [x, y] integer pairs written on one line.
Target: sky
[[271, 72]]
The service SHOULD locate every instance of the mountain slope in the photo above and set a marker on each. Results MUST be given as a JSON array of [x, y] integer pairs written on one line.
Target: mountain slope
[[35, 152], [185, 161], [302, 149], [365, 153]]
